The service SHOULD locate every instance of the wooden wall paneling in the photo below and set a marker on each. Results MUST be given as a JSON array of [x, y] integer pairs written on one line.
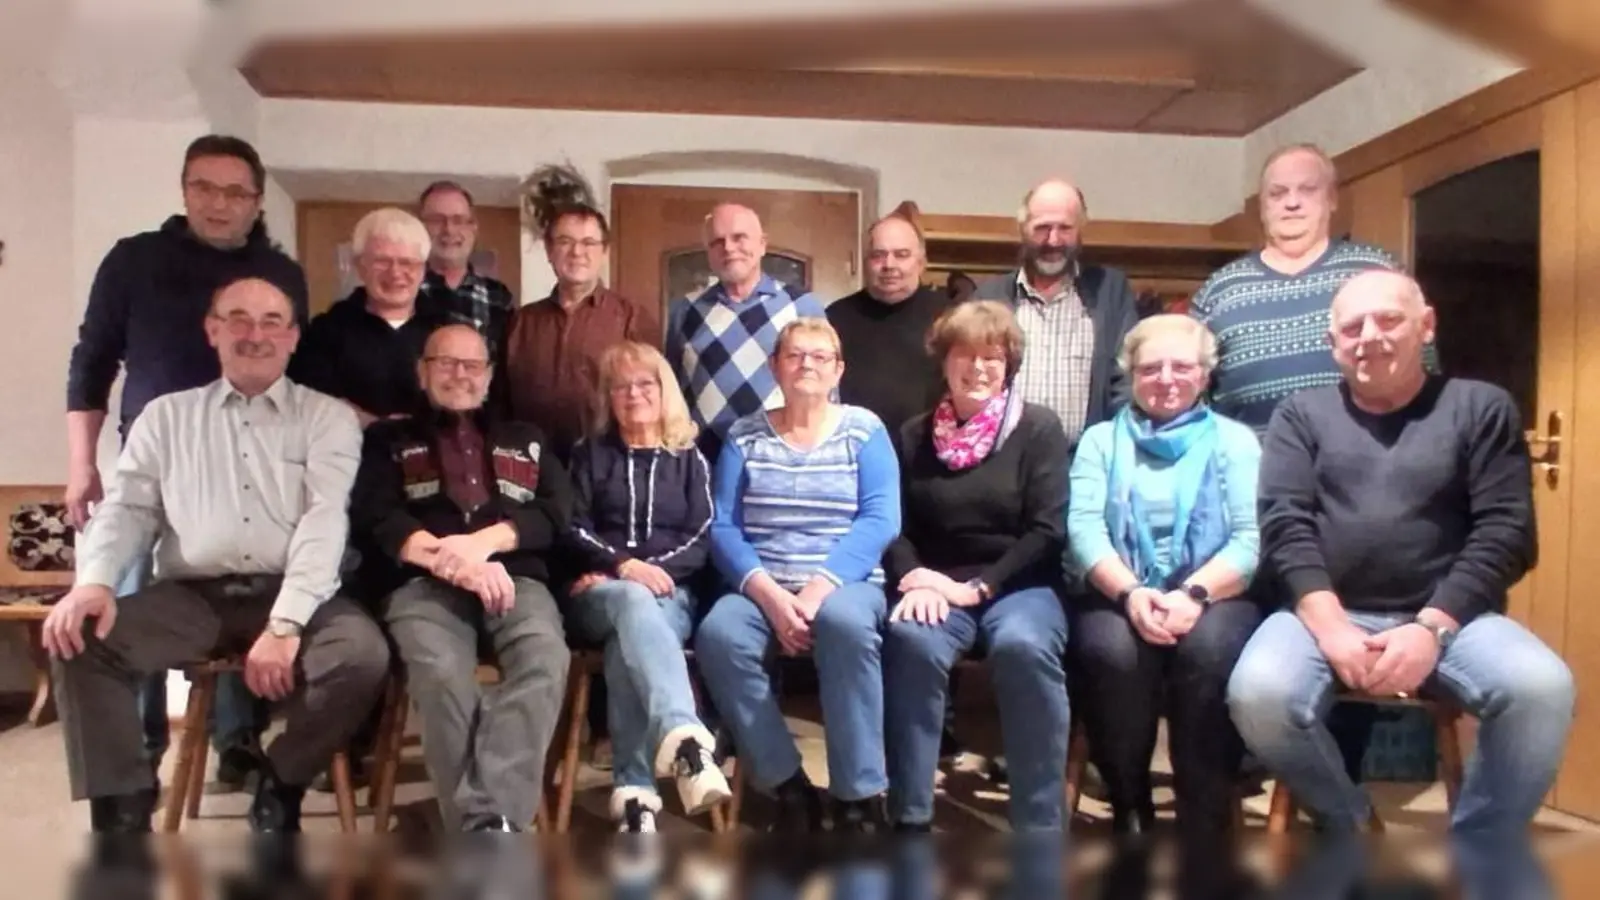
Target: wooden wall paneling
[[1376, 209]]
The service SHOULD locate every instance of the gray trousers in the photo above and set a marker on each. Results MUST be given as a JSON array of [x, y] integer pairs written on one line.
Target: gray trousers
[[484, 748], [170, 624]]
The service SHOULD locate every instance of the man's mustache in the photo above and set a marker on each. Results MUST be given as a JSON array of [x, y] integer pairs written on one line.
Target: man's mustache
[[252, 348]]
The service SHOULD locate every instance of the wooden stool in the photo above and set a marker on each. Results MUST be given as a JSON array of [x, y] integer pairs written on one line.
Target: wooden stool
[[1447, 737], [31, 613], [188, 783]]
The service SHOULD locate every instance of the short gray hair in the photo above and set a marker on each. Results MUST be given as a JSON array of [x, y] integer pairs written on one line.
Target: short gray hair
[[394, 224], [1169, 323]]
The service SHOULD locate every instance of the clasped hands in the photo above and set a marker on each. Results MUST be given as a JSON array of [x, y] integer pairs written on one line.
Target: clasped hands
[[790, 613], [1161, 618], [651, 576], [463, 560], [926, 597], [1391, 663]]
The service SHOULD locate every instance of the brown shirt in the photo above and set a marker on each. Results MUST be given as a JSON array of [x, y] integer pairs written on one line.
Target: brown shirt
[[551, 355], [464, 469]]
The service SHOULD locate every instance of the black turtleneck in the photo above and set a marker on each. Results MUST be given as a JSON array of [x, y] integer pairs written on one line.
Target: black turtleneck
[[887, 366]]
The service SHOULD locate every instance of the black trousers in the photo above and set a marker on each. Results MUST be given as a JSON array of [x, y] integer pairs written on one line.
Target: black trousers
[[1123, 685]]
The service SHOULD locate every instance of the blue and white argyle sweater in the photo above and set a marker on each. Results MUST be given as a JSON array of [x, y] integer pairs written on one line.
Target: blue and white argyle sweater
[[719, 350], [1272, 328]]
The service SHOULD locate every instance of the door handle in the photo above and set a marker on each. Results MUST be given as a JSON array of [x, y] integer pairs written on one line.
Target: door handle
[[1544, 450]]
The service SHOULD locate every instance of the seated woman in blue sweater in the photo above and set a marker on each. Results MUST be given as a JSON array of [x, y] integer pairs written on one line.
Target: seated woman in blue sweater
[[1162, 521], [984, 479], [807, 498], [640, 532]]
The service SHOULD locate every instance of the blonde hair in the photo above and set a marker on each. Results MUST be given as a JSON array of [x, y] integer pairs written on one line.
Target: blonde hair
[[678, 430], [1169, 323], [394, 224], [978, 323], [813, 325], [1329, 170]]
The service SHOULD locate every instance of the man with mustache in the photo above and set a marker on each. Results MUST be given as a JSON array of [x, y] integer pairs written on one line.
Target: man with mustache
[[466, 509], [1398, 510], [1073, 315], [147, 315], [719, 341], [241, 486], [451, 283]]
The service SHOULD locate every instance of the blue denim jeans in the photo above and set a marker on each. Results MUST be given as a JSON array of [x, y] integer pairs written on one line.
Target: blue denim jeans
[[1496, 670], [238, 717], [734, 647], [646, 674], [1023, 636]]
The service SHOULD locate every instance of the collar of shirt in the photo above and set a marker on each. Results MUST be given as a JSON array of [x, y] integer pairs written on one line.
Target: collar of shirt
[[599, 295], [1068, 287], [766, 287], [224, 393], [433, 280]]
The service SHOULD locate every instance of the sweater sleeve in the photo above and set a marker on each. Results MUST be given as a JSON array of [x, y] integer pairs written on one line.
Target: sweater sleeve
[[1501, 544], [593, 553], [1088, 537], [315, 362], [689, 557], [378, 508], [1044, 502], [1288, 503], [542, 521], [1241, 453], [733, 555], [877, 519], [103, 336]]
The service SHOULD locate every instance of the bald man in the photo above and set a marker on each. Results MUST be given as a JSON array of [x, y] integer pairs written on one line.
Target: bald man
[[241, 486], [718, 342], [467, 510], [1073, 315], [1397, 507], [884, 328]]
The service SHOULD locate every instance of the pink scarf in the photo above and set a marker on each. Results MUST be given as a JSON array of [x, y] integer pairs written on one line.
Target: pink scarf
[[963, 445]]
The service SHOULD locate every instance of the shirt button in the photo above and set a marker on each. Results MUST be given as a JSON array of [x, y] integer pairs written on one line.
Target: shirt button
[[247, 520], [472, 481], [247, 487], [245, 455], [247, 556]]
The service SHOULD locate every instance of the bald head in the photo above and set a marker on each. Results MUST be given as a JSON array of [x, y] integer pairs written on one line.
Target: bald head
[[735, 245], [454, 340], [1051, 221], [1397, 287], [454, 369], [1053, 196], [253, 328], [895, 259], [1379, 325]]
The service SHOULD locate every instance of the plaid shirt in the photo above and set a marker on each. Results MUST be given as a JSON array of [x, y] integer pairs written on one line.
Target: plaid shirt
[[479, 301], [1058, 361]]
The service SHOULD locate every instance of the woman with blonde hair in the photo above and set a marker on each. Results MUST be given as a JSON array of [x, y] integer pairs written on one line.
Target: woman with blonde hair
[[640, 523]]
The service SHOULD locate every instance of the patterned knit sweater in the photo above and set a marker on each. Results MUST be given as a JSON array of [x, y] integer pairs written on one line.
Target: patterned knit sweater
[[1272, 328]]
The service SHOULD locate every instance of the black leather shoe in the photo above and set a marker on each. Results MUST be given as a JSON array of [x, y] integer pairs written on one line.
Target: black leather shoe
[[235, 765], [867, 816], [125, 813], [276, 807], [799, 807], [490, 824], [1132, 822]]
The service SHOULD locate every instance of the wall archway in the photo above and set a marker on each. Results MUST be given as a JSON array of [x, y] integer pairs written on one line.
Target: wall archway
[[683, 167]]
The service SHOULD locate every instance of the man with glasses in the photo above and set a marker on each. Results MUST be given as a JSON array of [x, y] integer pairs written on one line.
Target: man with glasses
[[465, 509], [145, 314], [554, 344], [451, 282], [241, 486]]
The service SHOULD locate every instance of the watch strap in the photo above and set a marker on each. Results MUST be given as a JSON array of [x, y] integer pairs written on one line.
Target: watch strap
[[1124, 594], [1197, 593]]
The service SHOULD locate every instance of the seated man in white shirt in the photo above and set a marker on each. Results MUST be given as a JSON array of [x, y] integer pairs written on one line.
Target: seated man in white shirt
[[242, 487]]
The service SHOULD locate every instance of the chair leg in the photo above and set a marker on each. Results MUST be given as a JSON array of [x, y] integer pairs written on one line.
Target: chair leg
[[43, 711], [1280, 816], [390, 743], [1077, 761], [202, 751], [1446, 723], [194, 731], [578, 716], [736, 802], [344, 795]]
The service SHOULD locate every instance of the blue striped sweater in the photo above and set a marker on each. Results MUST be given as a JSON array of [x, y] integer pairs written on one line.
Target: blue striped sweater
[[830, 511]]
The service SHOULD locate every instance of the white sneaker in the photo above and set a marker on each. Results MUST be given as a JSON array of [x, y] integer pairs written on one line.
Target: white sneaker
[[685, 754], [634, 810]]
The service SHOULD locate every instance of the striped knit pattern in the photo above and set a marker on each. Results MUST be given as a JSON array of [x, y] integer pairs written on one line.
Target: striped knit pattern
[[798, 504], [1272, 329]]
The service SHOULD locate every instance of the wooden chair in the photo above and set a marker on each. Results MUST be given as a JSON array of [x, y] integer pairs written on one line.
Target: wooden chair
[[1446, 722], [35, 572], [188, 782]]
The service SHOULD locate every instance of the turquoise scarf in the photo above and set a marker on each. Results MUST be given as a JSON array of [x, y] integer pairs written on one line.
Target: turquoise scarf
[[1200, 519]]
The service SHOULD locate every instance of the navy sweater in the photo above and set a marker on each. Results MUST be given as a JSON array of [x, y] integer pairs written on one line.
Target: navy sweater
[[647, 504]]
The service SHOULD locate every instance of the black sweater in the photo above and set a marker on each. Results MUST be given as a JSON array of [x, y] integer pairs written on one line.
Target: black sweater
[[650, 505], [350, 353], [147, 311], [887, 366], [1429, 505], [1003, 520]]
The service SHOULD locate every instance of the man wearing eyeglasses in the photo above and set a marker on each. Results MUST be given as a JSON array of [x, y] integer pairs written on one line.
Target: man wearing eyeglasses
[[451, 282], [145, 314], [466, 508], [241, 487]]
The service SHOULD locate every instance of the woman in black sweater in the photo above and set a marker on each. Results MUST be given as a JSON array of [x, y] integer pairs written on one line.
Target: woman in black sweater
[[640, 532], [984, 488]]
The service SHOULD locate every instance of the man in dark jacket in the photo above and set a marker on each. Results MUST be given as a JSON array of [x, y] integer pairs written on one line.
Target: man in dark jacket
[[146, 314], [1073, 315], [467, 510]]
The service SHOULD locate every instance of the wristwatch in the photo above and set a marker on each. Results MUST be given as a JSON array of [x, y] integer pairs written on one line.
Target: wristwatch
[[984, 592], [1197, 593], [1441, 633], [1125, 593], [284, 628]]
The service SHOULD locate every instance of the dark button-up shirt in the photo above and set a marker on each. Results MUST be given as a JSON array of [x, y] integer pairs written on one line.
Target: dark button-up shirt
[[464, 468], [480, 301]]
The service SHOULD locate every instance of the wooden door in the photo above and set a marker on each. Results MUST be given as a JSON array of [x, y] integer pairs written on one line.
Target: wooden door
[[658, 255], [325, 227], [1506, 295]]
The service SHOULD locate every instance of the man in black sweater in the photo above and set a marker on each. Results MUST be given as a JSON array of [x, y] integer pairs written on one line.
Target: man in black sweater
[[146, 315], [1397, 507]]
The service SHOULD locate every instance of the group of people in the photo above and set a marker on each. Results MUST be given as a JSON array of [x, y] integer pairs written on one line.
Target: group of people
[[1209, 516]]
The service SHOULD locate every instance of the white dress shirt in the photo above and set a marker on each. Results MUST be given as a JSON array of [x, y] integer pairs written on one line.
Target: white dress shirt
[[224, 484]]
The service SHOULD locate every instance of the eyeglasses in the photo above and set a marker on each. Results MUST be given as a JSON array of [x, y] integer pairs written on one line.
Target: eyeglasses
[[241, 325], [817, 357], [645, 386], [391, 264], [451, 363], [439, 221], [587, 245], [232, 193]]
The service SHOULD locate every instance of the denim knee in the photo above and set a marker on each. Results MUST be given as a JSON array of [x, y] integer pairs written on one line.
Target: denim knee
[[728, 631], [852, 614], [1542, 682], [1259, 693], [916, 643], [1025, 651]]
